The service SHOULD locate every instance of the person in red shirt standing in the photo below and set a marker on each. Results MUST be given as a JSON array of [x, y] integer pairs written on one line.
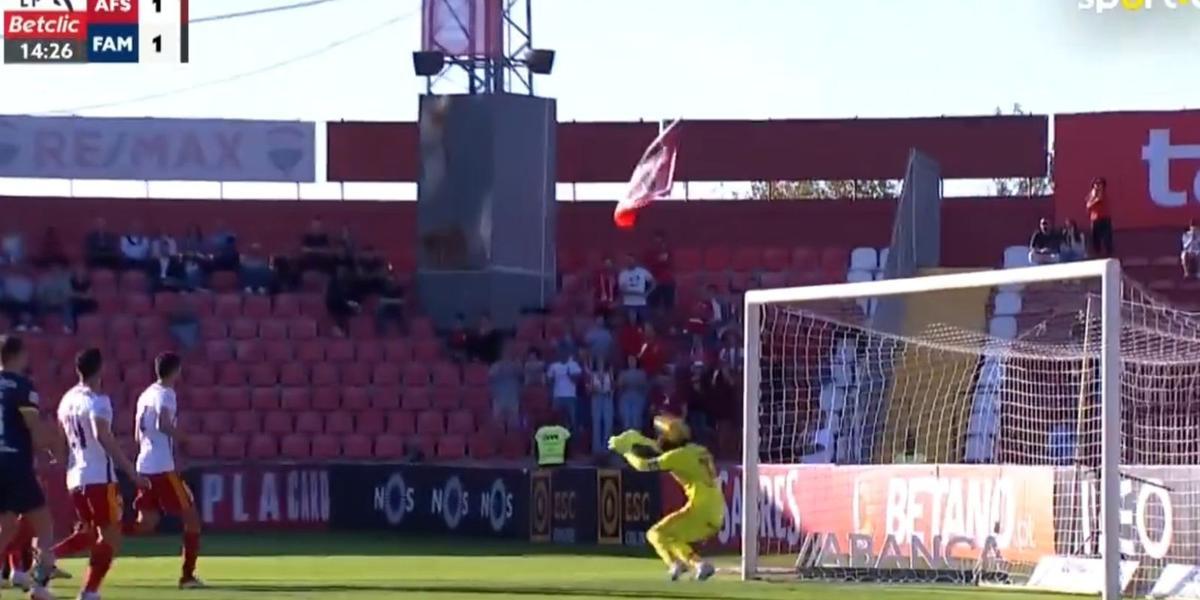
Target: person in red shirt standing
[[1097, 207], [652, 355], [604, 288], [661, 264]]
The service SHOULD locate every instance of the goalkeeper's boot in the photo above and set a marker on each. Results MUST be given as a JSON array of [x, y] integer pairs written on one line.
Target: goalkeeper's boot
[[704, 570], [191, 583], [676, 571]]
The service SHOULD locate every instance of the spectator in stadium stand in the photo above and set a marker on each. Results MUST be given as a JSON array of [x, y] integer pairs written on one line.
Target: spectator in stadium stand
[[652, 354], [599, 339], [504, 381], [54, 293], [1074, 246], [663, 396], [316, 249], [223, 244], [729, 358], [1102, 228], [635, 284], [563, 377], [254, 271], [1189, 255], [12, 248], [135, 249], [600, 394], [534, 368], [390, 309], [456, 339], [633, 389], [629, 336], [485, 342], [662, 267], [340, 301], [1045, 245], [696, 394], [18, 299], [167, 268], [101, 247], [373, 270], [82, 301], [50, 250], [183, 324], [604, 288]]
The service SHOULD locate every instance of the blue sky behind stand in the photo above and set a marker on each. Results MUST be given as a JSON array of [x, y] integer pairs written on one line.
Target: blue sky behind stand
[[631, 59]]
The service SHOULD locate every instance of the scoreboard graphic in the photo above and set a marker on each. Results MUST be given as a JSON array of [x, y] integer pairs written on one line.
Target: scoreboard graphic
[[95, 31]]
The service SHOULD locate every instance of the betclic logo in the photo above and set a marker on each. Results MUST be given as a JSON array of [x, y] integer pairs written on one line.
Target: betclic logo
[[1158, 154]]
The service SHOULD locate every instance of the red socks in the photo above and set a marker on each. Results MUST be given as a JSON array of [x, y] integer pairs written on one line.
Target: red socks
[[75, 543], [101, 561], [191, 551], [20, 550]]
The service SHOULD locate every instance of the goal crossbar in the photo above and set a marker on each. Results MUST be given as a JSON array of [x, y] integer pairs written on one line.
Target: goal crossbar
[[1108, 271]]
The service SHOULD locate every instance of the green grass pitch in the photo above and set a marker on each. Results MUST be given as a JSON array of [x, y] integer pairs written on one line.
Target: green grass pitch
[[375, 567]]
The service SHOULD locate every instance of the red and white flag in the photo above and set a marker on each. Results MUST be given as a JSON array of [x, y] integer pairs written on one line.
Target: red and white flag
[[652, 177]]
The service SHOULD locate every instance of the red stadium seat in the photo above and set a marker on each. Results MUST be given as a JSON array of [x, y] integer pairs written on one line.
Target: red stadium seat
[[478, 400], [256, 307], [246, 421], [212, 328], [370, 422], [424, 445], [312, 351], [445, 374], [326, 447], [90, 327], [200, 446], [339, 423], [217, 422], [355, 374], [165, 303], [389, 447], [199, 398], [231, 446], [137, 375], [446, 398], [312, 305], [514, 446], [137, 303], [151, 327], [416, 399], [747, 259], [384, 397], [231, 374], [295, 446], [233, 398], [295, 399], [286, 306], [776, 260], [483, 445], [248, 350], [368, 351], [122, 327], [293, 374], [224, 282], [427, 350], [340, 351], [191, 422], [263, 375], [125, 351], [460, 422], [263, 446], [355, 399], [529, 329], [397, 351], [243, 328], [416, 375], [356, 446], [805, 260], [302, 328], [835, 259], [265, 398], [218, 351], [422, 328], [401, 422], [717, 258], [535, 397], [227, 306], [688, 260], [475, 375], [327, 398], [385, 374], [277, 422], [431, 422], [272, 329], [362, 327], [324, 374], [277, 351], [451, 447]]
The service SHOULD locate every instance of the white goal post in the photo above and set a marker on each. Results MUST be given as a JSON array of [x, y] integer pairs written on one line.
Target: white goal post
[[1108, 315]]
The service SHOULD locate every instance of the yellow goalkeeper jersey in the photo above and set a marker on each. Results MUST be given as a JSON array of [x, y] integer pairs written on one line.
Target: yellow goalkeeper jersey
[[692, 466]]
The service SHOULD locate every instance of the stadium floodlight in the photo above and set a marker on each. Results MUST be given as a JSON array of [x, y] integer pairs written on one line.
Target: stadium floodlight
[[934, 451], [539, 61], [428, 63]]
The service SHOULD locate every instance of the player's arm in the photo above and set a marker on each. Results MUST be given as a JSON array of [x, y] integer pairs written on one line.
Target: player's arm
[[655, 462], [166, 424], [102, 430]]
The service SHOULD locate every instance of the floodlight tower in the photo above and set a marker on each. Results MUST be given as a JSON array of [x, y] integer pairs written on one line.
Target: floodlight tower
[[479, 47]]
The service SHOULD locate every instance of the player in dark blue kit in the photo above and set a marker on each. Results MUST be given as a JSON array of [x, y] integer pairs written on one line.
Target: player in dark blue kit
[[21, 438]]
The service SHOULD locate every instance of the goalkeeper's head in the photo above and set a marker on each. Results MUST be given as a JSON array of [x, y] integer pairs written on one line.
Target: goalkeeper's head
[[672, 432]]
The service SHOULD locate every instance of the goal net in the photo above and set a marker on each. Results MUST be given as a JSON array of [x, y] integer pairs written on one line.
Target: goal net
[[973, 428]]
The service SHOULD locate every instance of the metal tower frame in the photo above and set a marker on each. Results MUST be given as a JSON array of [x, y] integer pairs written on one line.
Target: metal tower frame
[[505, 74]]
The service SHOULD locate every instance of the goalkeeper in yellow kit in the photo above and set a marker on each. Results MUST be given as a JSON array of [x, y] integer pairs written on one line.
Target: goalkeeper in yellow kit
[[692, 466]]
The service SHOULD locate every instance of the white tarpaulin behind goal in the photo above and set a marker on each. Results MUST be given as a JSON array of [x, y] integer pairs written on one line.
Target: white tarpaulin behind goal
[[942, 454]]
